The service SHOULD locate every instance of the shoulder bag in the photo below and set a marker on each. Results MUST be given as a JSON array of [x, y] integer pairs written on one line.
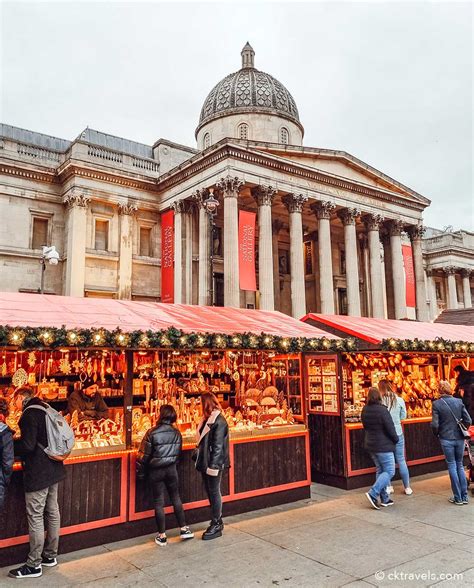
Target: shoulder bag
[[460, 424]]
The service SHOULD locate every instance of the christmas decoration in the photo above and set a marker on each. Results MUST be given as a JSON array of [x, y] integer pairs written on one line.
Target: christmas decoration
[[31, 359], [65, 366], [20, 378]]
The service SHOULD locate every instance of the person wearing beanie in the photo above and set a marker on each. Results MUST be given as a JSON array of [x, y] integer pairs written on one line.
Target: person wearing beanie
[[87, 402]]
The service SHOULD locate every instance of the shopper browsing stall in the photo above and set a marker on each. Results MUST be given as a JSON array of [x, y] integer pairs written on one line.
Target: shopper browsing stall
[[87, 402], [212, 457], [6, 452]]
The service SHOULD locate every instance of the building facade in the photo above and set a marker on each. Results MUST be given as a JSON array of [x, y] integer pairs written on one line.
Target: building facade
[[332, 231]]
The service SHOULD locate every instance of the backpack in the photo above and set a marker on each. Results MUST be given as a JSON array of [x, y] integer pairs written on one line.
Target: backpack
[[59, 433]]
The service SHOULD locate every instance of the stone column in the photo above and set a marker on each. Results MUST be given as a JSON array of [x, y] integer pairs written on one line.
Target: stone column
[[432, 294], [294, 204], [76, 243], [372, 223], [416, 234], [230, 187], [126, 212], [188, 253], [398, 272], [348, 217], [204, 249], [450, 271], [466, 287], [179, 208], [387, 263], [323, 211], [277, 225], [264, 196]]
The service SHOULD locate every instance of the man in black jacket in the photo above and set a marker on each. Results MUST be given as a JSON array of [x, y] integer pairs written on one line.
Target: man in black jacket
[[41, 476]]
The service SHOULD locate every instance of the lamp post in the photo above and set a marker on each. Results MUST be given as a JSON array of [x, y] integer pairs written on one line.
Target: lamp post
[[211, 205], [51, 256]]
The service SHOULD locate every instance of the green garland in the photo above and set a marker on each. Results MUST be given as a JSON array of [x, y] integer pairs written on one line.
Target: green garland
[[438, 344], [53, 338]]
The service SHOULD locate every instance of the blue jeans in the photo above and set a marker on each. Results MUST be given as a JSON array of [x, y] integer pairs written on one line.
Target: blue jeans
[[401, 461], [453, 450], [385, 470]]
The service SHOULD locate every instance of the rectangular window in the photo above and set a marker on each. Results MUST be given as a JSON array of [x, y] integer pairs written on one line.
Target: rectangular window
[[102, 235], [40, 233], [308, 258], [145, 242]]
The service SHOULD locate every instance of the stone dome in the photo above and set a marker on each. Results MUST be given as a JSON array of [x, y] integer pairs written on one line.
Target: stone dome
[[249, 90]]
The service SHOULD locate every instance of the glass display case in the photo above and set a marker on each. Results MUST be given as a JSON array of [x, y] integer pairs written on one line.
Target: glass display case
[[322, 385]]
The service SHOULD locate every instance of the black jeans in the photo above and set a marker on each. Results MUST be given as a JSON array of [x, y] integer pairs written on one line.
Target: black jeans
[[213, 491], [161, 479]]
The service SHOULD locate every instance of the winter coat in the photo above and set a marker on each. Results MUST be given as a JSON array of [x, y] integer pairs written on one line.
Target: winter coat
[[380, 433], [6, 459], [39, 471], [160, 447], [212, 452], [87, 407], [443, 423]]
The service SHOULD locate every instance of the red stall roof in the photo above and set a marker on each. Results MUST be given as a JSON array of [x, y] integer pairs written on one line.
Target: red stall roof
[[41, 310], [375, 330]]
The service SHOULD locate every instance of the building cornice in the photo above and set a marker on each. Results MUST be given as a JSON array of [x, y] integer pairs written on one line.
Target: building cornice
[[22, 172], [70, 169]]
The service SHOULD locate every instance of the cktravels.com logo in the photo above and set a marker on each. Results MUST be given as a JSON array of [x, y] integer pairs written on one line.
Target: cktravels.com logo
[[415, 576]]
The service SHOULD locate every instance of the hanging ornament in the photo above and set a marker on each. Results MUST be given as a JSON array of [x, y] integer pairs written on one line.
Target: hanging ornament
[[20, 378], [4, 368], [65, 366], [77, 365], [31, 359]]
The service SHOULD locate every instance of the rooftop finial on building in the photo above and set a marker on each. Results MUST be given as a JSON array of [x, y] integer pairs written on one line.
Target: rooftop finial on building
[[248, 56]]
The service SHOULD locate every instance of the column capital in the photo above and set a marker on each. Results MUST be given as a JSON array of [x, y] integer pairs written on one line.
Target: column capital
[[294, 202], [199, 195], [264, 195], [181, 206], [450, 270], [230, 186], [127, 208], [466, 272], [323, 209], [395, 228], [79, 199], [277, 226], [373, 222], [348, 215], [416, 232], [430, 272]]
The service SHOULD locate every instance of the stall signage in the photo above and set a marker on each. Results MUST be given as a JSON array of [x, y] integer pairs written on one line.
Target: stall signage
[[167, 256], [409, 275], [248, 279]]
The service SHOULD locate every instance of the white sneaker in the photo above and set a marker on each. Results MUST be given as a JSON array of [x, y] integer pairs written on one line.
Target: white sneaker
[[390, 490], [408, 491]]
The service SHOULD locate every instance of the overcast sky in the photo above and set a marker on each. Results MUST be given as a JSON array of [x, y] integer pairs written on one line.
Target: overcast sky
[[389, 82]]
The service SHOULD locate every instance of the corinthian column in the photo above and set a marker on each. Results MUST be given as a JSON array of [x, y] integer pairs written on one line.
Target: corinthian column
[[348, 217], [204, 249], [372, 224], [126, 212], [466, 287], [277, 225], [416, 234], [230, 187], [77, 203], [179, 208], [432, 294], [398, 272], [295, 203], [264, 196], [450, 271], [323, 211]]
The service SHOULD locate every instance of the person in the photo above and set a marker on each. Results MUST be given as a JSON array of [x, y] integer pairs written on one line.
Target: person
[[88, 402], [6, 452], [380, 440], [447, 411], [397, 409], [212, 457], [41, 477], [465, 388], [158, 455]]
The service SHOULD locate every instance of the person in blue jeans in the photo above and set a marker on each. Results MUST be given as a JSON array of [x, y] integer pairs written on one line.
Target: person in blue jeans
[[398, 412], [447, 411], [380, 441]]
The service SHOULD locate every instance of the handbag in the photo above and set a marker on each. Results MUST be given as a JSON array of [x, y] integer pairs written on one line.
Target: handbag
[[462, 428]]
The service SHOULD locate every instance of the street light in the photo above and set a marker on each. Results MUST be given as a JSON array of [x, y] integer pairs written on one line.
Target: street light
[[211, 205], [51, 256]]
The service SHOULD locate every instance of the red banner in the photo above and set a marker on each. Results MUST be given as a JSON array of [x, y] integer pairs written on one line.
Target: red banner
[[409, 275], [167, 256], [248, 279]]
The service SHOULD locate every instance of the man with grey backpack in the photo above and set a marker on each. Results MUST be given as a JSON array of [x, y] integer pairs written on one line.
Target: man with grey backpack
[[46, 440]]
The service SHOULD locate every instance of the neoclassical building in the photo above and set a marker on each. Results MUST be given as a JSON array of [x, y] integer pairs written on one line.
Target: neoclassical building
[[333, 234]]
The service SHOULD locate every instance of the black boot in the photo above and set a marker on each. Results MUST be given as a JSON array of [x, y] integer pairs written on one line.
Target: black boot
[[220, 522], [213, 531]]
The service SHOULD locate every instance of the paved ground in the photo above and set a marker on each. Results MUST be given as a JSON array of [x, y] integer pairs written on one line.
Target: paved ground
[[334, 539]]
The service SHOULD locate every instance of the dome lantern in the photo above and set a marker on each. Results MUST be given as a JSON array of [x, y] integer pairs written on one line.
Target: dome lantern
[[248, 56]]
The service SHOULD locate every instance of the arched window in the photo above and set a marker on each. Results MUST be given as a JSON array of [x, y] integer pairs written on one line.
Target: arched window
[[284, 136], [207, 140], [243, 131]]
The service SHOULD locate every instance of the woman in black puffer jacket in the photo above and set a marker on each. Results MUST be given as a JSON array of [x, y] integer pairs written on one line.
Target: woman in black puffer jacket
[[158, 455]]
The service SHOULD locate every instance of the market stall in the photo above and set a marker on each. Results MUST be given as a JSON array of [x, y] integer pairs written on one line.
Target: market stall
[[413, 356], [140, 356]]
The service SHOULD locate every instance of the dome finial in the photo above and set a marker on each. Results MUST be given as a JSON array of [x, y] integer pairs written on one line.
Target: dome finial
[[248, 56]]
